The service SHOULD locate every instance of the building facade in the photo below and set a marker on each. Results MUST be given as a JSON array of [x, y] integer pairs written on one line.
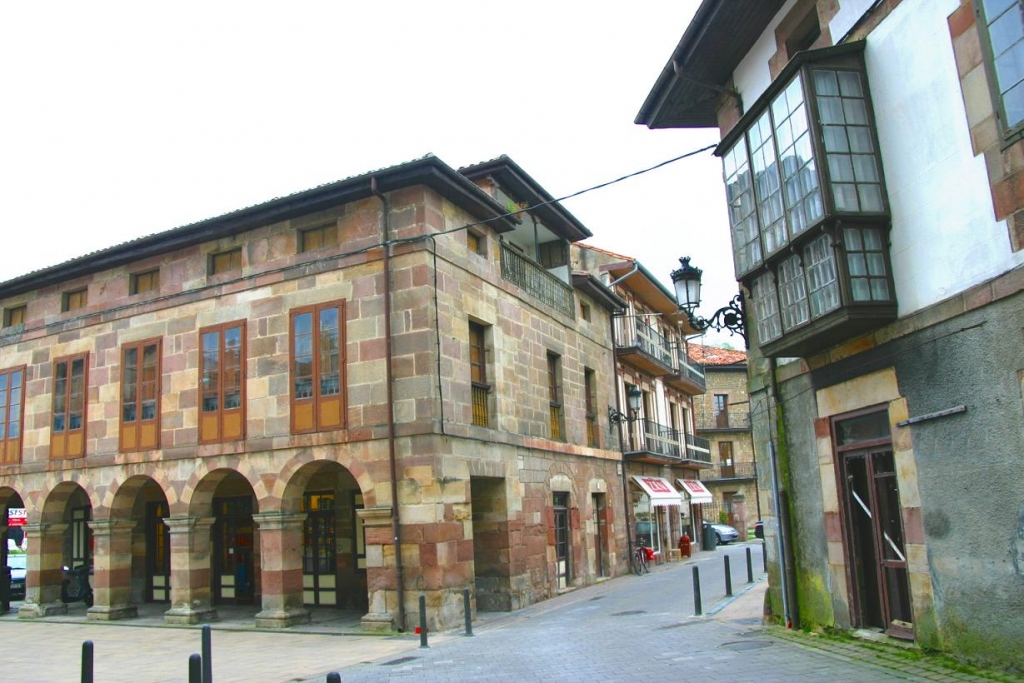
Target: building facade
[[723, 418], [343, 398], [872, 157], [656, 382]]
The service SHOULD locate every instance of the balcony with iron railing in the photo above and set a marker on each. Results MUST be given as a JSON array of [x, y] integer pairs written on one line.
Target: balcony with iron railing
[[685, 376], [642, 346], [731, 420], [662, 445], [531, 277], [737, 470]]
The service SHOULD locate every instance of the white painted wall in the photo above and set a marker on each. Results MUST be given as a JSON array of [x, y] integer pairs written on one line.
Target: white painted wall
[[945, 237]]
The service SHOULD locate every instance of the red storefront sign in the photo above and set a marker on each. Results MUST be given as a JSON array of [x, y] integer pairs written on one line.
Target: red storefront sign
[[16, 517]]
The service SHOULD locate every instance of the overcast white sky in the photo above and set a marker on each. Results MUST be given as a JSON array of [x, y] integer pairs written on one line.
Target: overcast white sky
[[121, 119]]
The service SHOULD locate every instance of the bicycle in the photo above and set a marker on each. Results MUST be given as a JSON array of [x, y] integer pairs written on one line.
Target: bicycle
[[641, 562]]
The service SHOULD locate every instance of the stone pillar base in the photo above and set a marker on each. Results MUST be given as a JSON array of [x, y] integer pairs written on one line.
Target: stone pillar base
[[189, 616], [112, 613], [377, 622], [34, 610], [282, 618]]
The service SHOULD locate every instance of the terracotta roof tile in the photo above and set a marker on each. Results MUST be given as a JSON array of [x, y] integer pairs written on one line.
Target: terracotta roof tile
[[716, 355]]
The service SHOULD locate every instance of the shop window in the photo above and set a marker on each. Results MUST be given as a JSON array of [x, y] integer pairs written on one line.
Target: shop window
[[68, 409], [140, 396], [222, 382]]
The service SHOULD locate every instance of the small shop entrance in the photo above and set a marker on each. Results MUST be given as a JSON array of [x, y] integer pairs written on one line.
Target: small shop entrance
[[319, 556], [233, 568], [158, 554]]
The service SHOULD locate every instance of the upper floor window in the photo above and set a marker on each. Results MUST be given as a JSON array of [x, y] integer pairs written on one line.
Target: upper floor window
[[222, 383], [225, 261], [481, 388], [149, 281], [15, 315], [590, 395], [140, 396], [318, 238], [721, 407], [557, 418], [1003, 23], [67, 433], [74, 300], [318, 367], [12, 403], [476, 242]]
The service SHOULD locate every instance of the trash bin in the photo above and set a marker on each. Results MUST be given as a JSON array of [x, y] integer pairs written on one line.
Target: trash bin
[[709, 541]]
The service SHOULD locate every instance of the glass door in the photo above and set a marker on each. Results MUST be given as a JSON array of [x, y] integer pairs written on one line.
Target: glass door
[[319, 555], [233, 552]]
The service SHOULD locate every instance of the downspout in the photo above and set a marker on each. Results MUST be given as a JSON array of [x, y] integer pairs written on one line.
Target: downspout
[[396, 526]]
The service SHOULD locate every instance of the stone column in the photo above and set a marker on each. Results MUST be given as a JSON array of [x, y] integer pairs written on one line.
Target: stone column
[[380, 575], [190, 570], [739, 512], [45, 571], [112, 570], [281, 569]]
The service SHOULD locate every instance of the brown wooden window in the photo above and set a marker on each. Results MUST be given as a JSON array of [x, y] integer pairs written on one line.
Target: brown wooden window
[[318, 238], [226, 261], [72, 301], [478, 375], [590, 393], [70, 379], [555, 397], [140, 396], [15, 315], [144, 282], [553, 254], [721, 407], [585, 311], [476, 242], [12, 405], [222, 382], [318, 367]]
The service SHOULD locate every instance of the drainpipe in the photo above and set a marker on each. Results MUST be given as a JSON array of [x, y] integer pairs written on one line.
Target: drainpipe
[[396, 526], [626, 502]]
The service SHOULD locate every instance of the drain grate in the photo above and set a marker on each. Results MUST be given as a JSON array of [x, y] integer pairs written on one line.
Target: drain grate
[[742, 645], [400, 660], [629, 613]]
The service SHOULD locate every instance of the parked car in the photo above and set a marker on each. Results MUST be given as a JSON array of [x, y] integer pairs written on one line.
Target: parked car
[[759, 529], [18, 566], [724, 533]]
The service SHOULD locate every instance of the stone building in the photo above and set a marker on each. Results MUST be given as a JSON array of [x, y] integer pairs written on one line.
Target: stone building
[[723, 418], [872, 156], [655, 386], [342, 398]]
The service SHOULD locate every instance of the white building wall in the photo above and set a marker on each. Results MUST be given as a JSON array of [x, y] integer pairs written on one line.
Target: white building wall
[[945, 237]]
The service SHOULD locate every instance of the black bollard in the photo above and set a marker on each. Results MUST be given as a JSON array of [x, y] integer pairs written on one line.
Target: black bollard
[[750, 567], [207, 655], [468, 611], [195, 669], [764, 556], [87, 662], [728, 578], [696, 592], [334, 677], [423, 621]]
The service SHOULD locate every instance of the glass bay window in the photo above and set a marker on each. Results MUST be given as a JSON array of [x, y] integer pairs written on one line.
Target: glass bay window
[[807, 205]]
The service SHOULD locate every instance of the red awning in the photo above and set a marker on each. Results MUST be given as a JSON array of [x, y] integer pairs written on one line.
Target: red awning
[[660, 491], [695, 491]]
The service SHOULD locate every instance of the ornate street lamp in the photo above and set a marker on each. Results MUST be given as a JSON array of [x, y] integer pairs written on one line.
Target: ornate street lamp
[[686, 280], [633, 396]]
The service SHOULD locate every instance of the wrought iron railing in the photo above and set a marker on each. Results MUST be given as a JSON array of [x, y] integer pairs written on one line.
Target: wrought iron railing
[[481, 412], [690, 372], [530, 276], [698, 448], [663, 440], [739, 470], [731, 419], [632, 332]]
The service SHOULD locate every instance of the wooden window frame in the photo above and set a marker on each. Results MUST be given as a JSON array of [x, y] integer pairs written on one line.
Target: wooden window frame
[[328, 237], [15, 315], [74, 300], [590, 403], [1010, 132], [140, 433], [217, 267], [480, 388], [222, 424], [318, 412], [68, 442], [476, 242], [145, 281], [10, 446], [555, 406]]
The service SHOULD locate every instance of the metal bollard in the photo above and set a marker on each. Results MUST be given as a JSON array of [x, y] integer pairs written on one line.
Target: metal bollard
[[696, 592], [468, 610], [195, 669], [334, 677], [207, 655], [423, 621], [750, 567], [764, 556], [728, 578], [87, 662]]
